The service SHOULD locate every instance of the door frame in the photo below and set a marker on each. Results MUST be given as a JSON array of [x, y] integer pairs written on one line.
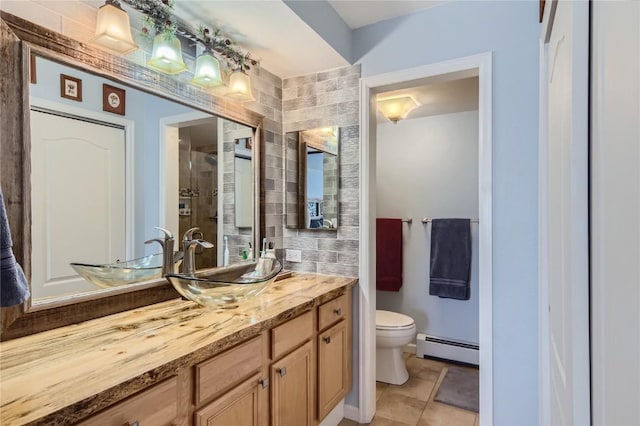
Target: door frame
[[367, 291]]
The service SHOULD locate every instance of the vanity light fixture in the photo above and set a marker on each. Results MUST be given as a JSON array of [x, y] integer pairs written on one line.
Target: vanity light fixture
[[398, 107], [207, 73], [240, 86], [113, 29], [166, 56]]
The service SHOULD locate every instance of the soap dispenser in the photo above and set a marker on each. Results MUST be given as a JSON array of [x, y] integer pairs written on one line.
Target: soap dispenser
[[225, 258]]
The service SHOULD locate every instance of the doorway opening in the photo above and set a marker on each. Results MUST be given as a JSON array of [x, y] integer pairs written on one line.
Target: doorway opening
[[474, 66]]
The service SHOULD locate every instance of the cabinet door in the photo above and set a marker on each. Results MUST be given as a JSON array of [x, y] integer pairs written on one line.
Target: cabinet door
[[332, 368], [292, 398], [244, 405]]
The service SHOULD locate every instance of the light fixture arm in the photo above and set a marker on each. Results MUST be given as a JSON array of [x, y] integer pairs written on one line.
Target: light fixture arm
[[159, 12]]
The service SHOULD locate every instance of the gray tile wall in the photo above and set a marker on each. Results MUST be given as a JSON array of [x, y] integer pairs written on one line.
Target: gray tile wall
[[267, 89], [325, 99]]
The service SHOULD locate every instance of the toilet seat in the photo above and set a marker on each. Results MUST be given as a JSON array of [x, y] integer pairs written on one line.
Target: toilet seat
[[387, 320]]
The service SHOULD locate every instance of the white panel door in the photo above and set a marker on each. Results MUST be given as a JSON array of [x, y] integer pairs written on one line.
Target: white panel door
[[615, 219], [77, 200], [567, 214]]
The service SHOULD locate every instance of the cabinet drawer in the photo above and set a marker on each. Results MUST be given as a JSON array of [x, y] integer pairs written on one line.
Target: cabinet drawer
[[291, 334], [157, 406], [333, 311], [222, 371]]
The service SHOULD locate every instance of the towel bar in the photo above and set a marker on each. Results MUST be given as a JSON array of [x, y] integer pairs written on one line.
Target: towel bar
[[427, 220]]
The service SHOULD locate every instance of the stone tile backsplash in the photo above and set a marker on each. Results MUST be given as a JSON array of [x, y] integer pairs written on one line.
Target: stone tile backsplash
[[326, 99]]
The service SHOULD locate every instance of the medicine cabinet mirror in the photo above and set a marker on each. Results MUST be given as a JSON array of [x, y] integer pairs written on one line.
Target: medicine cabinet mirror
[[312, 179], [173, 156]]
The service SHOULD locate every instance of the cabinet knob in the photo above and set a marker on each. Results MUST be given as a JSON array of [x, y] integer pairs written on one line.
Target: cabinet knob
[[282, 371], [327, 339], [264, 383], [337, 311]]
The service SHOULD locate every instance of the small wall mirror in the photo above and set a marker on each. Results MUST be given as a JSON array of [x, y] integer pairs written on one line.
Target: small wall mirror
[[312, 177]]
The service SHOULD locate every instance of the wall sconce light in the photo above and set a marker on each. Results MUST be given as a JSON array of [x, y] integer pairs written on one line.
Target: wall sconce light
[[113, 29], [166, 56], [207, 73], [397, 108], [240, 86]]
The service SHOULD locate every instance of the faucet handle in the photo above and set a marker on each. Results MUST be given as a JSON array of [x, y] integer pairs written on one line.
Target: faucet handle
[[167, 234], [189, 234]]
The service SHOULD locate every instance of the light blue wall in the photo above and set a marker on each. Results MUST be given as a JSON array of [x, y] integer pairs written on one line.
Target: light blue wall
[[510, 30], [324, 20], [146, 111], [434, 174]]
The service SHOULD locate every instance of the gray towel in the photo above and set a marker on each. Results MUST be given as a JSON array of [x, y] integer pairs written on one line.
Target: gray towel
[[450, 258], [14, 288]]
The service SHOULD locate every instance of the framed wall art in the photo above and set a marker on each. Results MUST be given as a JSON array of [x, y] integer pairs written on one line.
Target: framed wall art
[[70, 87], [113, 99]]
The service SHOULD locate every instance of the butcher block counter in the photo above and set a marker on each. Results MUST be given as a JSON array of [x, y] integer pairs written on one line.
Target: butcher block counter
[[68, 374]]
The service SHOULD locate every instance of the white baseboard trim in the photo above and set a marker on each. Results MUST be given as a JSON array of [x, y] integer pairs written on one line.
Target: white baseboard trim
[[335, 416], [447, 349], [352, 413]]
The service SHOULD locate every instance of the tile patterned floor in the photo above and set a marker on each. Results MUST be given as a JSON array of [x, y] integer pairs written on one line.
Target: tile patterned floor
[[412, 404]]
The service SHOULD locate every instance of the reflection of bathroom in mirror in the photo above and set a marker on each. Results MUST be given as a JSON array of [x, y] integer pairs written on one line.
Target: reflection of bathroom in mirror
[[312, 177], [101, 181]]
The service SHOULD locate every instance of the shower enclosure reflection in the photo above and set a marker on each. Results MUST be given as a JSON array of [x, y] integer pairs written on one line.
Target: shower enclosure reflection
[[216, 194]]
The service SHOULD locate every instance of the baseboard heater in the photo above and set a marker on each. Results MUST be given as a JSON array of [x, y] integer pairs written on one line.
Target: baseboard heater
[[437, 347]]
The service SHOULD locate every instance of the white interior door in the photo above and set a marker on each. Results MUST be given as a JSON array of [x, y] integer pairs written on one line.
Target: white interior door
[[566, 214], [78, 200]]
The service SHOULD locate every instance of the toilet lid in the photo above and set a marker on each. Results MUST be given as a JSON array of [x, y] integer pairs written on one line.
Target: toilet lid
[[392, 320]]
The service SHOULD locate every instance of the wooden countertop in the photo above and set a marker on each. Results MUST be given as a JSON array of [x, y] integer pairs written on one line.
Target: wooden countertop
[[67, 373]]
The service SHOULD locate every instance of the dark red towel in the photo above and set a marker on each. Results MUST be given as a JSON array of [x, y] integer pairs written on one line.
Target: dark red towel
[[388, 254]]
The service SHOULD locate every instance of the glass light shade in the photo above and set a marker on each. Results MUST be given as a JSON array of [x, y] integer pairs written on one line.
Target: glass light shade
[[240, 87], [397, 108], [113, 30], [167, 55], [207, 72]]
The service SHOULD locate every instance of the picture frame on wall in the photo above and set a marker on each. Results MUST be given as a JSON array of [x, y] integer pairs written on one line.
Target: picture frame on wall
[[70, 88], [113, 99]]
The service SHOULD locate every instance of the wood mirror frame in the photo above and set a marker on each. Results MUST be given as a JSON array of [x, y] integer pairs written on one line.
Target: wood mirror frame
[[18, 39]]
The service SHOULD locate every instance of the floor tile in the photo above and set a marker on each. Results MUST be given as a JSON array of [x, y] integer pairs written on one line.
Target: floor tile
[[347, 422], [424, 369], [381, 421], [380, 387], [399, 408], [437, 414], [414, 388]]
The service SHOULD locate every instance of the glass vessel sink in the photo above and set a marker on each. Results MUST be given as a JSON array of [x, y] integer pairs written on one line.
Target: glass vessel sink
[[226, 286], [123, 273]]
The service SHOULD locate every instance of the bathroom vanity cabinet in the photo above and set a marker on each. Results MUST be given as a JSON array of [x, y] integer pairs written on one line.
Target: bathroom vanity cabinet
[[286, 365]]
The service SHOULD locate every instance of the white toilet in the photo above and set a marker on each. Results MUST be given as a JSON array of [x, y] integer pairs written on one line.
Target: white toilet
[[393, 332]]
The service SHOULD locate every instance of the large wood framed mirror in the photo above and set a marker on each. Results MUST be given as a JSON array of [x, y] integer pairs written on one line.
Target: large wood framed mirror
[[177, 164]]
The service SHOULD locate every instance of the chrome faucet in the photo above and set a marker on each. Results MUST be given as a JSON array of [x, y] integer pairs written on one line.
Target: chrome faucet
[[189, 248], [168, 256]]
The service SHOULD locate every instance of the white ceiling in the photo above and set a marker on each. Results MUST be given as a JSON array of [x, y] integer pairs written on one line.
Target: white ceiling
[[358, 13], [282, 42], [277, 37]]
